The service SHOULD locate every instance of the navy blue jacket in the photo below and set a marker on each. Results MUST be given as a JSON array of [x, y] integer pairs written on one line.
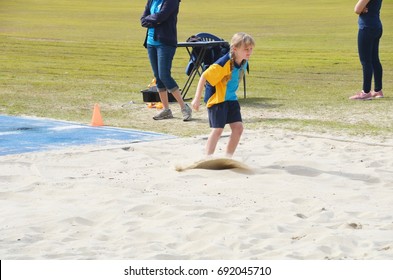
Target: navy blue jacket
[[164, 22]]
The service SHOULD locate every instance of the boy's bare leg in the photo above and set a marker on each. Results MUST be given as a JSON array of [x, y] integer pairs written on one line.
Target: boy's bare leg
[[211, 144], [237, 131]]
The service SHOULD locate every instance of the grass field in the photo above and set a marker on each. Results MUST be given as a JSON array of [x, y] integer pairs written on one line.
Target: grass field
[[59, 58]]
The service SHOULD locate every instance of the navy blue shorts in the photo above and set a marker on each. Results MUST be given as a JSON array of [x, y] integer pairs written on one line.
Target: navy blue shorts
[[223, 113]]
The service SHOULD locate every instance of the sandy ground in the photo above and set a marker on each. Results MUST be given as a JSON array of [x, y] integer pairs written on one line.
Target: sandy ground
[[313, 196]]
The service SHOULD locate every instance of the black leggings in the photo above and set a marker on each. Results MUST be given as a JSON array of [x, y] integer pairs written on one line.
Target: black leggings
[[368, 46]]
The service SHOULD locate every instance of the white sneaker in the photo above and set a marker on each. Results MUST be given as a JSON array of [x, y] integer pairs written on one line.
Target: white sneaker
[[187, 112], [164, 114]]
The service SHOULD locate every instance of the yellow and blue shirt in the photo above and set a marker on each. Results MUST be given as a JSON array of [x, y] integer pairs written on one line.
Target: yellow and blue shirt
[[217, 90]]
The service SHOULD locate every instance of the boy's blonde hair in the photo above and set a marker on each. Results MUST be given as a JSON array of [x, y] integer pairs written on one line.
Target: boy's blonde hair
[[238, 39]]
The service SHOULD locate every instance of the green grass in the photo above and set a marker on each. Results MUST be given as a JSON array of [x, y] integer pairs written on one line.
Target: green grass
[[59, 58]]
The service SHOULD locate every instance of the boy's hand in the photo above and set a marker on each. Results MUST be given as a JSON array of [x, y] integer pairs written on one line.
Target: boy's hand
[[195, 104]]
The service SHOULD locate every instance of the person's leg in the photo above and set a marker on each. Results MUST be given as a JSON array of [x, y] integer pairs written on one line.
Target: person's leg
[[185, 109], [237, 130], [377, 66], [177, 95], [217, 119], [165, 58], [153, 58], [156, 56], [365, 48], [164, 98], [212, 141], [153, 53], [234, 118]]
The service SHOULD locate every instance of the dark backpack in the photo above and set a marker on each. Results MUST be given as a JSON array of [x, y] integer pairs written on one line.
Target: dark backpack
[[212, 54]]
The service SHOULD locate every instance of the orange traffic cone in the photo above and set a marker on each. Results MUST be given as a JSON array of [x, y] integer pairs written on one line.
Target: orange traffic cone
[[96, 120]]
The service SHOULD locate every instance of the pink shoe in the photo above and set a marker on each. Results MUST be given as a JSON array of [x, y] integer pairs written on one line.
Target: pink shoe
[[377, 94], [362, 96]]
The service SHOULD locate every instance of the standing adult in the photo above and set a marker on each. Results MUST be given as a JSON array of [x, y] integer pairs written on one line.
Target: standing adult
[[369, 34], [160, 19]]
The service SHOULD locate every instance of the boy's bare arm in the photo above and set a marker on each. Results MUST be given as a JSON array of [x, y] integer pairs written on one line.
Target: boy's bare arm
[[198, 94]]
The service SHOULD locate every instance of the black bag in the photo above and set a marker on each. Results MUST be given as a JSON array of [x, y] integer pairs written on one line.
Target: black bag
[[212, 53]]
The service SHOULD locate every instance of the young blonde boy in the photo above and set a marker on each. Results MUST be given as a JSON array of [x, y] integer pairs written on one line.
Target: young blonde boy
[[221, 81]]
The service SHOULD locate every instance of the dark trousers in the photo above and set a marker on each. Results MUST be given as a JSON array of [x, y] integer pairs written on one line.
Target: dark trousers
[[368, 46]]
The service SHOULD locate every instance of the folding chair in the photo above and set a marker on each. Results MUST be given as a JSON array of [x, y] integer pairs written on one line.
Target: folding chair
[[212, 54]]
